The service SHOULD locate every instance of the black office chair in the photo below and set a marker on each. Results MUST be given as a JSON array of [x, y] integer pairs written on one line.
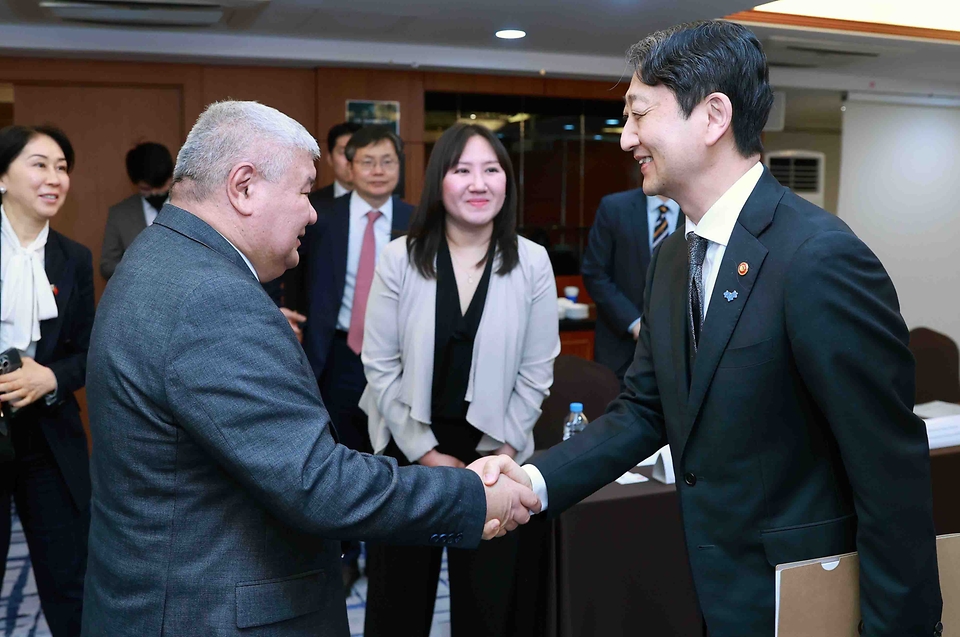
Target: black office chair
[[938, 366]]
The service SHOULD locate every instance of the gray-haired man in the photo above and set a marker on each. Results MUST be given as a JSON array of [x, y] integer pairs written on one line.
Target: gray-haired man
[[218, 489]]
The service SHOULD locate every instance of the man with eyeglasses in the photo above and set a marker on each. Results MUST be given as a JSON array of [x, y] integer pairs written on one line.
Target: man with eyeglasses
[[339, 253]]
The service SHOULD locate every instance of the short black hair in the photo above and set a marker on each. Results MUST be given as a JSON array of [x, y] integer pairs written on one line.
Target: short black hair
[[428, 222], [369, 135], [13, 139], [338, 131], [696, 59], [150, 162]]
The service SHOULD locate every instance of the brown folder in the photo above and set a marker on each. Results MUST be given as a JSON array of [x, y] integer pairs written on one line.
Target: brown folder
[[821, 597]]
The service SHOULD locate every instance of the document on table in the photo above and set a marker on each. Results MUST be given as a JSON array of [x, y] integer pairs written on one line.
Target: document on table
[[936, 409]]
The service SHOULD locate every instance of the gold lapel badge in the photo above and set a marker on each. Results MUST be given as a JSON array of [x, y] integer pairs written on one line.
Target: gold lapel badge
[[743, 268]]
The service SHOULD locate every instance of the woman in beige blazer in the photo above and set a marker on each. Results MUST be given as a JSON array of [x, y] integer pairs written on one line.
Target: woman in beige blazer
[[460, 336]]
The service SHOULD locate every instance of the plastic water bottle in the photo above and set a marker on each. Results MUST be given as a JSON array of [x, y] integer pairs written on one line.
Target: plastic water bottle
[[575, 421]]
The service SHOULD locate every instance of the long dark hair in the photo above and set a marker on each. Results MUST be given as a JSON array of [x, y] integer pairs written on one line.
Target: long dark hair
[[428, 221], [13, 139]]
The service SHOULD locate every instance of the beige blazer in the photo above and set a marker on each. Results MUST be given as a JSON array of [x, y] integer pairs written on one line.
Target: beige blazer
[[512, 368]]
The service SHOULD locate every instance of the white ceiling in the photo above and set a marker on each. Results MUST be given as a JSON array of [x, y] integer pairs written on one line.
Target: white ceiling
[[576, 38]]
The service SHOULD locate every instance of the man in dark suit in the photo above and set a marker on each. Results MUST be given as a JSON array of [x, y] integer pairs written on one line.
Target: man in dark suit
[[150, 168], [219, 492], [628, 227], [772, 358], [336, 158], [332, 252]]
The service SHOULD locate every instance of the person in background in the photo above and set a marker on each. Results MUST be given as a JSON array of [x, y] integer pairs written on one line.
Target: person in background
[[339, 253], [628, 227], [150, 168], [46, 314], [336, 158], [460, 337]]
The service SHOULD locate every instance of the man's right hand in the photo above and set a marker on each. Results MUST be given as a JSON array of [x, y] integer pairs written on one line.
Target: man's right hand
[[635, 331], [294, 319]]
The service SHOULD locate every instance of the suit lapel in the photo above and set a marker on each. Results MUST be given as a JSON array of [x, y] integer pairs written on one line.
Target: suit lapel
[[401, 218], [60, 274], [341, 240], [677, 275], [723, 314], [641, 230]]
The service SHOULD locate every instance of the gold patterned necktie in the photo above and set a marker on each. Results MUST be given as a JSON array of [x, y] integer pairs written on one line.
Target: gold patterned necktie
[[661, 229]]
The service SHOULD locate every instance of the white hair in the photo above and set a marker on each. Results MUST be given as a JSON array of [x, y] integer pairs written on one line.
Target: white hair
[[230, 132]]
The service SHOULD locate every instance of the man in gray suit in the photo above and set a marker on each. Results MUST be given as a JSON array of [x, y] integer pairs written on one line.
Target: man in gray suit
[[150, 168], [219, 491]]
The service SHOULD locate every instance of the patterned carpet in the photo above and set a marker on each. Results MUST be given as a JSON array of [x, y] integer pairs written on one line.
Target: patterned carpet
[[20, 613]]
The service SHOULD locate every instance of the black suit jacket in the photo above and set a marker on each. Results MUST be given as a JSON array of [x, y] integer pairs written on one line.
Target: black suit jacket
[[64, 341], [794, 437], [614, 270], [323, 258]]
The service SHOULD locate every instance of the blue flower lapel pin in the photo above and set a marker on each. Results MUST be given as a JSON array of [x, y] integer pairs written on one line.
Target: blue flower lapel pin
[[730, 295]]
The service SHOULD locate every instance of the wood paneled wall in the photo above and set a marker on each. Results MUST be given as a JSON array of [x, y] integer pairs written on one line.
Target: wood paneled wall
[[107, 107]]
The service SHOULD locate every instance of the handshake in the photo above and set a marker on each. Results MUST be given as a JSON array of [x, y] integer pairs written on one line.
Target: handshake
[[510, 498]]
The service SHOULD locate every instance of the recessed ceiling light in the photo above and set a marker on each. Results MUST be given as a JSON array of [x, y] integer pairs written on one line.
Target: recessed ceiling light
[[511, 34], [613, 122]]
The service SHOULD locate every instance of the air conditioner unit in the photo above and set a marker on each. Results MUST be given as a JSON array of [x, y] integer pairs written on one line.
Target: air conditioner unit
[[799, 170]]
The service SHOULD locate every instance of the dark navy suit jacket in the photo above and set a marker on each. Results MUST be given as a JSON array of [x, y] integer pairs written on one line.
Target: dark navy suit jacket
[[323, 257], [614, 270], [792, 430], [62, 347], [219, 494]]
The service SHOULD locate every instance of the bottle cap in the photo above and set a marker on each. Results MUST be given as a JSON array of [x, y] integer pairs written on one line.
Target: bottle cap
[[576, 407]]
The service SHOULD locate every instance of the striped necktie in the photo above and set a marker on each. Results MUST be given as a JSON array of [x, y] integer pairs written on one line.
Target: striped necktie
[[661, 229]]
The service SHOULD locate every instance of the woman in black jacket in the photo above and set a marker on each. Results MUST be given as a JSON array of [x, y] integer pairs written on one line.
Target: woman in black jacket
[[46, 314]]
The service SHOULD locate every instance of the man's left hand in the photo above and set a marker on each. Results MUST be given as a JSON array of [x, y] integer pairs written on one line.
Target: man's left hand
[[294, 319], [28, 384]]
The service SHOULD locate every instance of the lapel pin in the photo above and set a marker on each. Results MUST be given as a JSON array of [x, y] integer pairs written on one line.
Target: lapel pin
[[730, 295], [54, 289], [743, 268]]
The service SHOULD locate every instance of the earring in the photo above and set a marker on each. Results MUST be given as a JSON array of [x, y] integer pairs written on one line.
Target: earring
[[3, 190]]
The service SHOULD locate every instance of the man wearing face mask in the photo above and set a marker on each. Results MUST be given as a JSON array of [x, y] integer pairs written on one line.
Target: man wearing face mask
[[150, 168]]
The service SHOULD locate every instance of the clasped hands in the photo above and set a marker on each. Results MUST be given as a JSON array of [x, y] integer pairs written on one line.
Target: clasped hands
[[510, 497]]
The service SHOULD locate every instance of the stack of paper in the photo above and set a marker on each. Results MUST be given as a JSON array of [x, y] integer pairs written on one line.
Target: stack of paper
[[943, 423]]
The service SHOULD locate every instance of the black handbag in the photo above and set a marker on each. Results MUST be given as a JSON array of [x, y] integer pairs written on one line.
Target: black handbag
[[9, 361]]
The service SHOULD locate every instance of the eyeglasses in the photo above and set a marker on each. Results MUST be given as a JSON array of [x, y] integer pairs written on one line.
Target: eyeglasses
[[388, 164]]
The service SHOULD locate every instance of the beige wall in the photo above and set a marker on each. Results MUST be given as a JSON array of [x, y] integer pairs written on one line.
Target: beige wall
[[824, 142]]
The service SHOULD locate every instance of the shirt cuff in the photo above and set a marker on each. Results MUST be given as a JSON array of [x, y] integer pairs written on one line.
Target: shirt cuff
[[633, 325], [51, 398], [539, 485]]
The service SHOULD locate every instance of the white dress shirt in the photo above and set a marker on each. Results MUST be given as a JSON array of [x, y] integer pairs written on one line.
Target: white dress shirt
[[339, 190], [149, 212], [242, 256], [27, 297], [358, 225], [716, 226]]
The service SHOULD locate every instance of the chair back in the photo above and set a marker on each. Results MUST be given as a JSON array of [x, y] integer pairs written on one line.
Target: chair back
[[938, 366], [575, 380]]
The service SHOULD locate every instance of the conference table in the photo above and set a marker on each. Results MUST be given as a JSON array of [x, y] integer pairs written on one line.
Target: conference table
[[616, 564]]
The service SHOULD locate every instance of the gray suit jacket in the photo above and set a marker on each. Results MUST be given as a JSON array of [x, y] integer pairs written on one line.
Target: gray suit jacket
[[124, 222], [219, 493]]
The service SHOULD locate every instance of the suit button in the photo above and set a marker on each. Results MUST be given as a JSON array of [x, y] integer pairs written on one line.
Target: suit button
[[443, 538], [938, 629], [690, 479], [434, 538], [459, 537]]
